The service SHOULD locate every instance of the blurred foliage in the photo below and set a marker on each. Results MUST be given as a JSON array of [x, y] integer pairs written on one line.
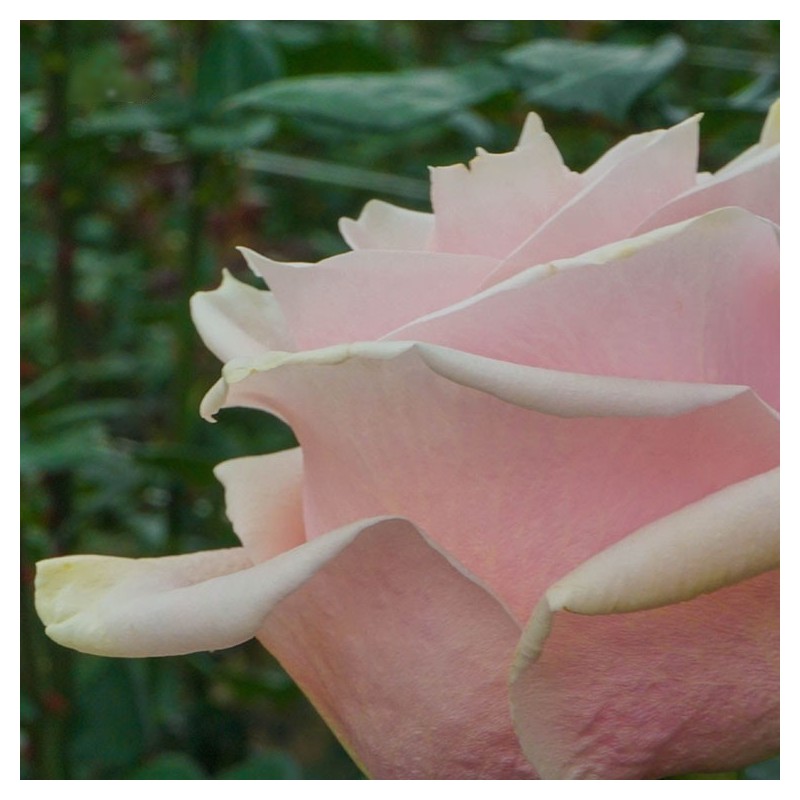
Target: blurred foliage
[[149, 150]]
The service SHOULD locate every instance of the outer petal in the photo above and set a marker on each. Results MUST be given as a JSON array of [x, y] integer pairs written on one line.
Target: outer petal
[[533, 445], [383, 226], [239, 320], [362, 295], [750, 181], [495, 204], [407, 659], [698, 301], [661, 677], [339, 612], [628, 184], [263, 500]]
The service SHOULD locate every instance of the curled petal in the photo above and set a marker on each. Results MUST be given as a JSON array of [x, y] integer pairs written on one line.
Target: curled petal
[[697, 301], [124, 607], [339, 613], [383, 226], [239, 320], [534, 445], [658, 655], [407, 659]]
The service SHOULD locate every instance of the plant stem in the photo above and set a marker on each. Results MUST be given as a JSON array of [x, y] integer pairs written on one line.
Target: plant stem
[[48, 670]]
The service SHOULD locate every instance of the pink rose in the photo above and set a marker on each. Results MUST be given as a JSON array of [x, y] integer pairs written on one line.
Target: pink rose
[[531, 530]]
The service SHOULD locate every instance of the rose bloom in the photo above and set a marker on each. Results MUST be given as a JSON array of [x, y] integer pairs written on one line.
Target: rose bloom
[[531, 529]]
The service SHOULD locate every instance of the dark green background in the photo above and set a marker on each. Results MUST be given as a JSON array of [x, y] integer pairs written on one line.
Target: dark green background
[[150, 150]]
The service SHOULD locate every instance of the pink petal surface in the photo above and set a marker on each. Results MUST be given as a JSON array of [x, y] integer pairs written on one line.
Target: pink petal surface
[[504, 459], [383, 226], [264, 502], [364, 294], [627, 185], [239, 320], [753, 185], [695, 302], [407, 659], [339, 612], [750, 181], [493, 205], [659, 655]]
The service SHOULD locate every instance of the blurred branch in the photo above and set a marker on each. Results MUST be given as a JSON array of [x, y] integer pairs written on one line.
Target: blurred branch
[[48, 673], [195, 220]]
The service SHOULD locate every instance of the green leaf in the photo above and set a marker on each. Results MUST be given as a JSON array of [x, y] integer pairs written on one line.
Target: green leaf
[[239, 54], [233, 135], [273, 766], [595, 78], [62, 449], [134, 119], [378, 102], [170, 767]]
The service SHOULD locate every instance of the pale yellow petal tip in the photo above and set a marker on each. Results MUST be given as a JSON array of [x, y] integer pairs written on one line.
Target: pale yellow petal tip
[[771, 133], [64, 585], [213, 400], [68, 590]]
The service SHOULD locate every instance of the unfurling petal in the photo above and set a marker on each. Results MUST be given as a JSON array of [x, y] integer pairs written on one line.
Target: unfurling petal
[[533, 446], [237, 320], [659, 654], [383, 226], [340, 613], [407, 659], [697, 301]]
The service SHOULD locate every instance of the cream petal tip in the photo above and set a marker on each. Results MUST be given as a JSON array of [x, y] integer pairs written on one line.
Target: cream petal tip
[[771, 133]]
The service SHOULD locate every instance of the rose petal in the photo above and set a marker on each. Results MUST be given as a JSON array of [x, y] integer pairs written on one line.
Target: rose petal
[[344, 298], [239, 320], [383, 226], [627, 185], [533, 445], [472, 204], [149, 607], [662, 677], [407, 659], [771, 132], [698, 301], [752, 185], [263, 500], [339, 612]]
